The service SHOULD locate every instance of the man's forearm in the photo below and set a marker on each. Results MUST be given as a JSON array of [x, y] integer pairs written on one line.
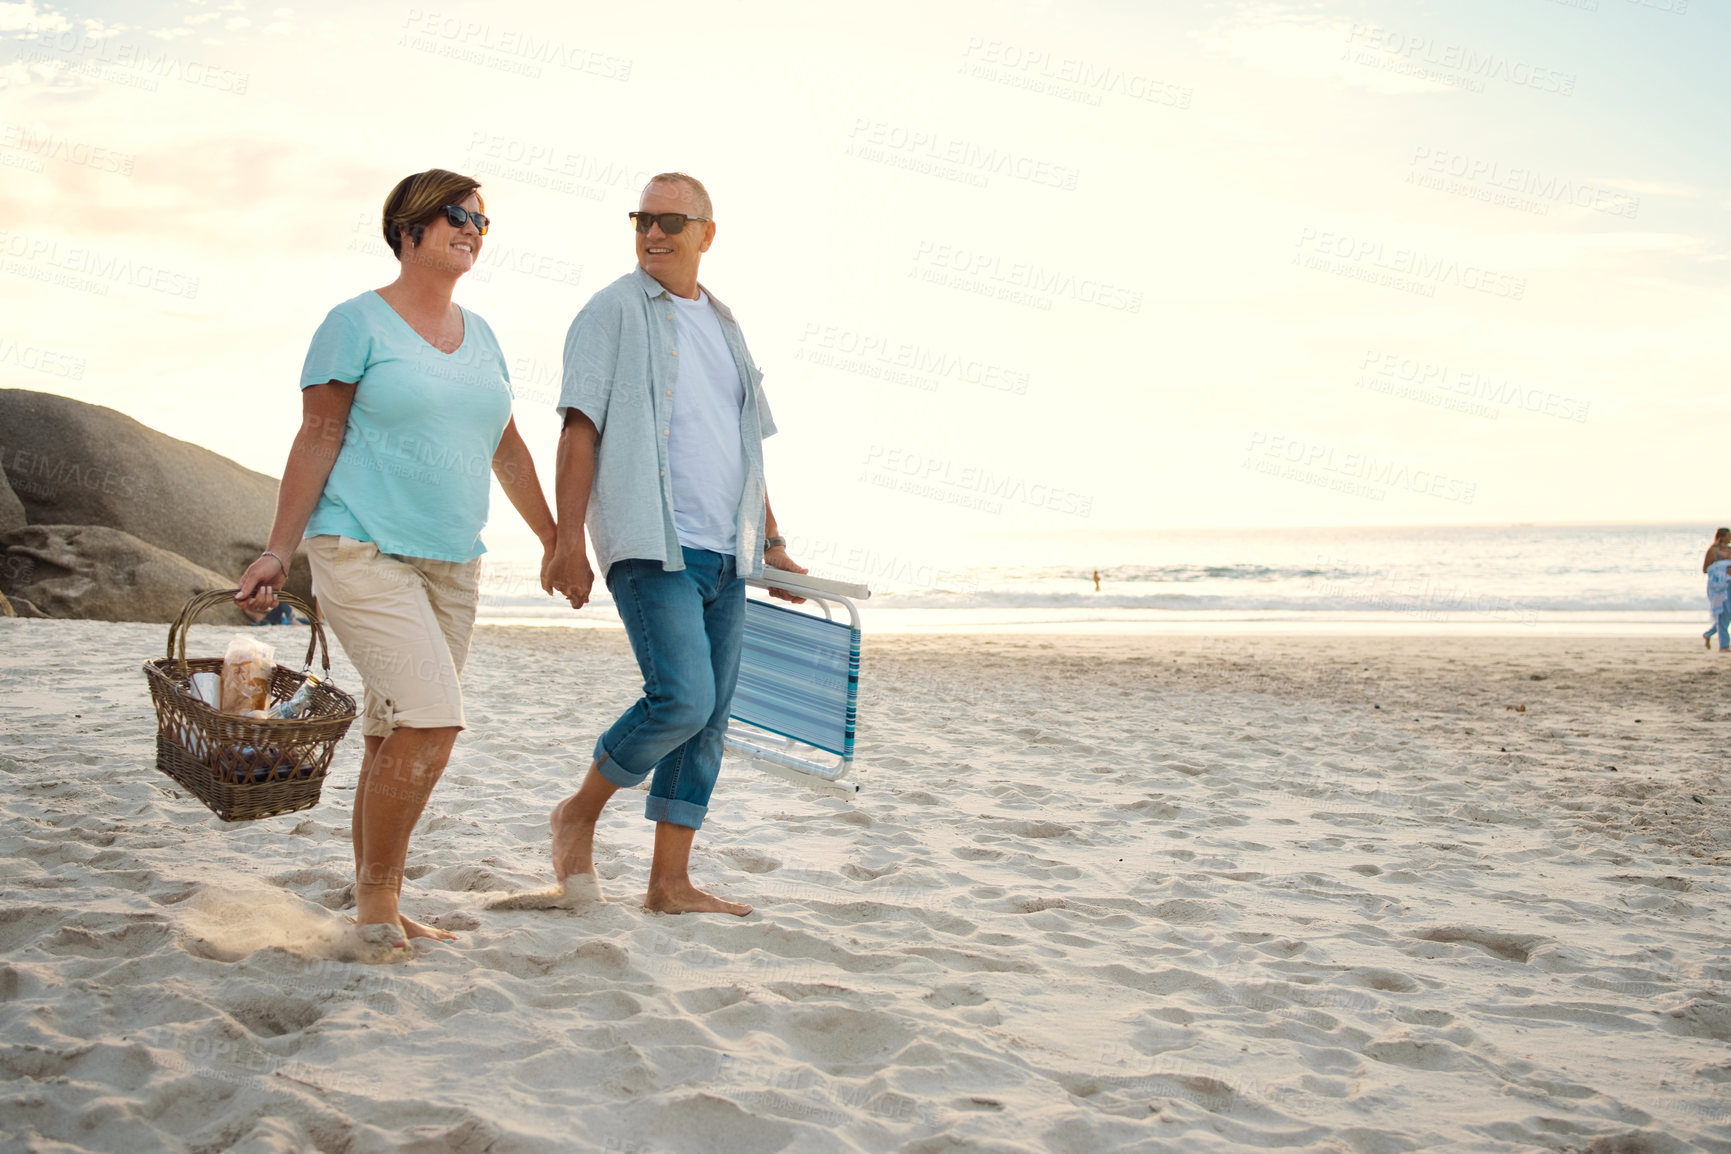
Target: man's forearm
[[770, 528], [574, 473]]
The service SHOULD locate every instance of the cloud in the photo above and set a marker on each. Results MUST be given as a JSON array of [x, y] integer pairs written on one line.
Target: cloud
[[26, 18], [1294, 45], [1648, 187], [1676, 254]]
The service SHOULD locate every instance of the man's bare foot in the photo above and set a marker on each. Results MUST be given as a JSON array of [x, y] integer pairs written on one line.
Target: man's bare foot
[[685, 898], [573, 841], [573, 893]]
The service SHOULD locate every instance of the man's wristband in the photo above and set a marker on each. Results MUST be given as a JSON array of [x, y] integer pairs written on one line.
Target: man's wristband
[[774, 543]]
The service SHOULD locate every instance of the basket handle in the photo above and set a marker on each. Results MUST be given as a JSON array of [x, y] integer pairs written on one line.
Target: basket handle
[[201, 602]]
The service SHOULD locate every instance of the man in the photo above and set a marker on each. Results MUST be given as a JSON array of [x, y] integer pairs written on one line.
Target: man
[[661, 457]]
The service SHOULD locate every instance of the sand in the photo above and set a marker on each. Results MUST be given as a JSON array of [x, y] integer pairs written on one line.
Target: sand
[[1306, 893]]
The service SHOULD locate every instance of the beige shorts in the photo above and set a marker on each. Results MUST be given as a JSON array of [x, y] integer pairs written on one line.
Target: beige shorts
[[405, 624]]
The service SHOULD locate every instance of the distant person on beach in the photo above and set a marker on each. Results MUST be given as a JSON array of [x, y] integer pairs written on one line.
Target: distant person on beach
[[662, 458], [280, 615], [1719, 550], [1096, 581], [405, 405], [1715, 565]]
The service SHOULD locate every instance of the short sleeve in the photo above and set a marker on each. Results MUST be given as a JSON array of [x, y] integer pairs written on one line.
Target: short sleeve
[[591, 362], [338, 352]]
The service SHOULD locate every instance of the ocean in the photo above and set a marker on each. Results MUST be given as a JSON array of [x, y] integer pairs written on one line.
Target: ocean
[[1588, 579]]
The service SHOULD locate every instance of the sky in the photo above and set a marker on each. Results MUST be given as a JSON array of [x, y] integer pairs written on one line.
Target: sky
[[1007, 267]]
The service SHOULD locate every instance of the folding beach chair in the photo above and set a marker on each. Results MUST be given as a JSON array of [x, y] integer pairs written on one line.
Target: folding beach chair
[[798, 690]]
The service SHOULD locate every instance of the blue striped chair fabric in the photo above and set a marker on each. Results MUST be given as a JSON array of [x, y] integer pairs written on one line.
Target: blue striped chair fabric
[[798, 676]]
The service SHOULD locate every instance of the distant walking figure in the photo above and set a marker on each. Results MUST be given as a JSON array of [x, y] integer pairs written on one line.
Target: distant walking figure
[[1715, 565], [1096, 581]]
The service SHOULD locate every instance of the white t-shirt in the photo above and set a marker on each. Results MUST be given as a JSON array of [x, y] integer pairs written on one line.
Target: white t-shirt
[[703, 449]]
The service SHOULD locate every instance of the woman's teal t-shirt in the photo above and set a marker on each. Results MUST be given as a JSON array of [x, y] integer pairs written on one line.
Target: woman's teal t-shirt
[[417, 455]]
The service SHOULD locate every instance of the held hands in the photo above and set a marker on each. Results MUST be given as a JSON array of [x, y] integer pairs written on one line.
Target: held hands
[[565, 571], [777, 558]]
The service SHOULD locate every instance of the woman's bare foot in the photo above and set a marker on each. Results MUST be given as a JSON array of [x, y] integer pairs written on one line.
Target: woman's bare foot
[[378, 944], [414, 929], [573, 841], [685, 898]]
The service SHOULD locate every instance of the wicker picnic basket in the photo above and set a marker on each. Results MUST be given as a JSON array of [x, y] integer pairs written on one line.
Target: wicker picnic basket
[[244, 768]]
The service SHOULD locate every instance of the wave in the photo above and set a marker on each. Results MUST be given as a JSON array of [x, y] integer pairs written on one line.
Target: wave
[[517, 605], [1184, 574], [1005, 599], [1465, 573]]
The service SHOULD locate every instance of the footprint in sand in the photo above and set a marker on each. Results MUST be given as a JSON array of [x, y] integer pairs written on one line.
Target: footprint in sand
[[574, 892]]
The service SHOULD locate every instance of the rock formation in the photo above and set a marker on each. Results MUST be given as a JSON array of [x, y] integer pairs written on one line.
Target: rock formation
[[66, 465], [90, 571], [71, 463], [11, 508]]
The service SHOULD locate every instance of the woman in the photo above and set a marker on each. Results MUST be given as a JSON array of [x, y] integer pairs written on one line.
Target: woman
[[405, 404]]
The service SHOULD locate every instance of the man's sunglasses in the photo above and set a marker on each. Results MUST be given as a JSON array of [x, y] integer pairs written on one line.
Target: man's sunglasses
[[459, 216], [672, 223]]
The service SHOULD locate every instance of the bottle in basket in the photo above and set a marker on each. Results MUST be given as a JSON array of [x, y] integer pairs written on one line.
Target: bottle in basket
[[299, 703]]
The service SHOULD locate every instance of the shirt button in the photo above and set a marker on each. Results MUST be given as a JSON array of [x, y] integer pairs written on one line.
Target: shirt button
[[670, 392], [664, 432], [669, 316], [676, 352]]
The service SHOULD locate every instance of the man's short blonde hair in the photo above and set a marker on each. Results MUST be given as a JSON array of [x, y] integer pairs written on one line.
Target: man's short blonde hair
[[704, 207], [418, 200]]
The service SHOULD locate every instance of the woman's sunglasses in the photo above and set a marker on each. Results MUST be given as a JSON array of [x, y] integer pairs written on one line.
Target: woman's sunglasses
[[672, 223], [459, 216]]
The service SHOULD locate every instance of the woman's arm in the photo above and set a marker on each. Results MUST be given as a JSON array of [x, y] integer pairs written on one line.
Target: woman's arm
[[324, 416], [515, 469]]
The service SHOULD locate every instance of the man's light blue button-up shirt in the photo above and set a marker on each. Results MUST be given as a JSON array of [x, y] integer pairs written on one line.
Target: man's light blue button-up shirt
[[622, 372]]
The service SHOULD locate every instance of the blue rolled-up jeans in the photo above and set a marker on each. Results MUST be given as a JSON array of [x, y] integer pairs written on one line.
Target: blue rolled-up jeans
[[1722, 623], [685, 628]]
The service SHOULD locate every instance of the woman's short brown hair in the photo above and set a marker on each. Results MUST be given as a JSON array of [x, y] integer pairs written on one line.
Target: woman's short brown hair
[[417, 201]]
